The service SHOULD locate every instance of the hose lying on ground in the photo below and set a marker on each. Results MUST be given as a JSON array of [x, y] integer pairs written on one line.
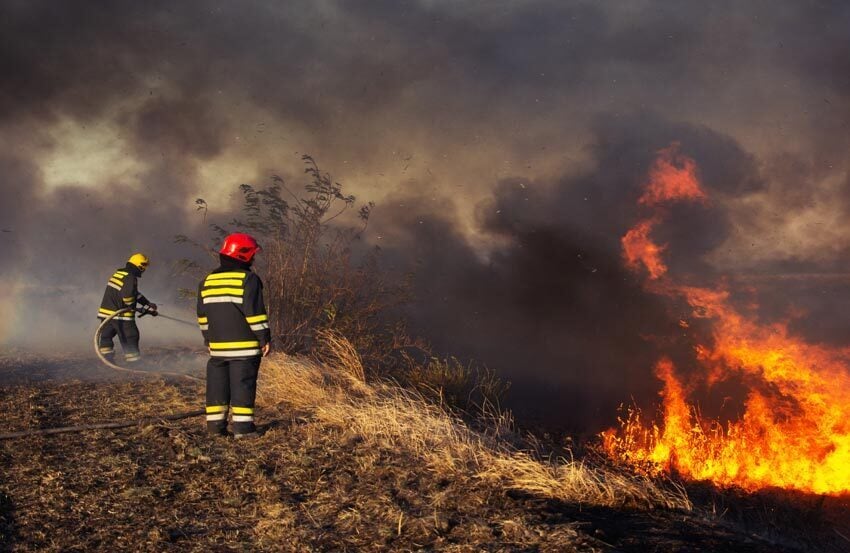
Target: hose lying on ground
[[99, 426], [111, 365], [115, 367]]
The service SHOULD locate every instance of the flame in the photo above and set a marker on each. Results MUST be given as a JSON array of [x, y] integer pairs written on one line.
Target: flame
[[794, 428], [672, 177], [638, 248]]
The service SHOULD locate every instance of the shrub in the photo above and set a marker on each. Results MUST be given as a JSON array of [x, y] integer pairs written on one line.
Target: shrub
[[321, 280], [318, 274]]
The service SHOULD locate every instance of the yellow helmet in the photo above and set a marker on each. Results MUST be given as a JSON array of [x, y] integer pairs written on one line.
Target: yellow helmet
[[140, 260]]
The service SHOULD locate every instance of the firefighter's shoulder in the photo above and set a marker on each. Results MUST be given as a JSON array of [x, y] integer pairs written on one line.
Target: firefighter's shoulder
[[253, 282], [224, 286], [229, 273]]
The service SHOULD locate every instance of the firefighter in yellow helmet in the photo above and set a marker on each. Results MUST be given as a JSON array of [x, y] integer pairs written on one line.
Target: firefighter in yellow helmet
[[122, 290]]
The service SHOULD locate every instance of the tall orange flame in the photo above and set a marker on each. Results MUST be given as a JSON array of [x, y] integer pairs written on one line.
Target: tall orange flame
[[671, 178], [794, 428]]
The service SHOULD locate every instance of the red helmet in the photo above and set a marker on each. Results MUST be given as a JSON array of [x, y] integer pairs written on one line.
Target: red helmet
[[240, 246]]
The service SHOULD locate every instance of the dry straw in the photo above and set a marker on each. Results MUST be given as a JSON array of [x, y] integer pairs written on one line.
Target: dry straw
[[333, 389]]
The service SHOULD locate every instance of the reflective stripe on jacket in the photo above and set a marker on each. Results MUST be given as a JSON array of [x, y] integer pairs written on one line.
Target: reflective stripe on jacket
[[122, 290], [231, 312]]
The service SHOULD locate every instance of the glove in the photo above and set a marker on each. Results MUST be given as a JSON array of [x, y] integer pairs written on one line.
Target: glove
[[152, 309]]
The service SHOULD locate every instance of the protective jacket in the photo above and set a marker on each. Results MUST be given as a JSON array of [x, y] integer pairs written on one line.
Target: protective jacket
[[122, 290], [231, 312]]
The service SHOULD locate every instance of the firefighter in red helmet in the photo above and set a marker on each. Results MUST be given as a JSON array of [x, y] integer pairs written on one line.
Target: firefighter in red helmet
[[233, 320]]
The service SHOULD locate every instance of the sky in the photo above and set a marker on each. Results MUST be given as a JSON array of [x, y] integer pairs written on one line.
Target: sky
[[504, 144]]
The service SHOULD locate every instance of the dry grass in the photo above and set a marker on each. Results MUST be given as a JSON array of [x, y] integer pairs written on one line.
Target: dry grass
[[388, 416], [343, 465], [336, 350]]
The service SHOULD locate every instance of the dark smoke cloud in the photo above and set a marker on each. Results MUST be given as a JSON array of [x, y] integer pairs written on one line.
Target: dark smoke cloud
[[552, 307], [190, 127], [517, 136]]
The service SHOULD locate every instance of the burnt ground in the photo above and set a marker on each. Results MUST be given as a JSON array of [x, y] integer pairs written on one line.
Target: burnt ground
[[305, 487]]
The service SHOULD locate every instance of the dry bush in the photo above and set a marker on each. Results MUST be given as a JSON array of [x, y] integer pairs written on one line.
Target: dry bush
[[465, 386], [389, 416], [322, 282], [318, 273]]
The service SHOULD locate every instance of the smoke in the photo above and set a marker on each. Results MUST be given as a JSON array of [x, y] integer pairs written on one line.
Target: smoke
[[552, 305], [505, 144]]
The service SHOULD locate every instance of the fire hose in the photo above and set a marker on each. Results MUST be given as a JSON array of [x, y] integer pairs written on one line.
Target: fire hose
[[119, 424], [142, 312], [100, 426]]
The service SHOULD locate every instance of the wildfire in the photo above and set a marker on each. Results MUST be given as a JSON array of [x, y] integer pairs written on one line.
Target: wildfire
[[672, 177], [639, 248], [794, 430]]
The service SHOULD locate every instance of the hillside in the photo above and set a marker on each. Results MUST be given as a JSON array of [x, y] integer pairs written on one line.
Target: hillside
[[342, 466]]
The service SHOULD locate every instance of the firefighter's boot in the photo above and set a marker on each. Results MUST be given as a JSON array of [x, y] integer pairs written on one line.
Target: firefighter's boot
[[217, 420], [108, 352]]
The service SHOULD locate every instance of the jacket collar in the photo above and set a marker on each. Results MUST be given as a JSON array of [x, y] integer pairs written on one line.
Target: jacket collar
[[228, 264], [133, 270]]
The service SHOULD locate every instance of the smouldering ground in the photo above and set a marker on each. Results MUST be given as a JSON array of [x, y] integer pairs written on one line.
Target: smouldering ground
[[342, 466]]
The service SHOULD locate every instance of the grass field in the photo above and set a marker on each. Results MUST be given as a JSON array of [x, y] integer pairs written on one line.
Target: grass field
[[342, 465]]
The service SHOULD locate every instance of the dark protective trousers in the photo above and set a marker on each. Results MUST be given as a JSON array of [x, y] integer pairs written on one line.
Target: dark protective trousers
[[231, 383], [128, 335]]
